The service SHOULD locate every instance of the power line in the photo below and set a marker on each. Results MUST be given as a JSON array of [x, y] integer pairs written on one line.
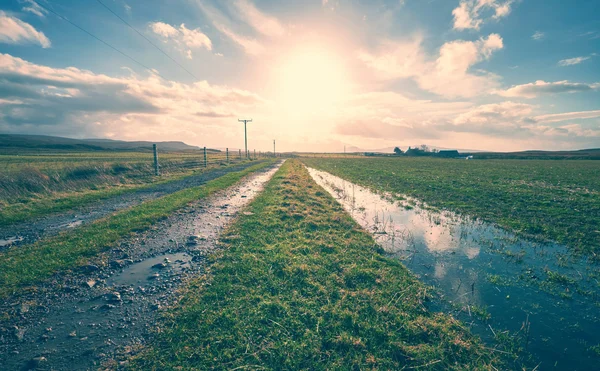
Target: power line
[[102, 41], [148, 40]]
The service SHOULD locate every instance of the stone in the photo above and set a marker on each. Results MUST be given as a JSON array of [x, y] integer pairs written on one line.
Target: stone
[[113, 297], [19, 333], [36, 362], [90, 268], [90, 283], [117, 263]]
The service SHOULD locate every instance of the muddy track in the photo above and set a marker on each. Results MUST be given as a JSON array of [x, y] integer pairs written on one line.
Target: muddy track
[[31, 231], [107, 311]]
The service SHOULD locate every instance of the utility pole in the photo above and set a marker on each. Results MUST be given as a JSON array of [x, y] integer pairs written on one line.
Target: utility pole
[[274, 155], [245, 134]]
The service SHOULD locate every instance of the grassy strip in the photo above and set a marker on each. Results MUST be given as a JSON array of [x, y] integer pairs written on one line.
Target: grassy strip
[[27, 265], [544, 199], [301, 286], [55, 203]]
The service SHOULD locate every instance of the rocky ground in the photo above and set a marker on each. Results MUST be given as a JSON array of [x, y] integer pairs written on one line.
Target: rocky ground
[[109, 309], [30, 231]]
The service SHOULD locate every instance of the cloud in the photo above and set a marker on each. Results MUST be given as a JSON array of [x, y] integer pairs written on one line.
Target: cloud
[[244, 13], [471, 14], [35, 8], [386, 128], [560, 117], [15, 31], [448, 75], [184, 38], [538, 35], [264, 24], [251, 46], [38, 98], [497, 114], [540, 87], [572, 61]]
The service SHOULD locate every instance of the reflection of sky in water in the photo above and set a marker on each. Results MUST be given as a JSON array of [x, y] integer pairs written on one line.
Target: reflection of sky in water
[[476, 264]]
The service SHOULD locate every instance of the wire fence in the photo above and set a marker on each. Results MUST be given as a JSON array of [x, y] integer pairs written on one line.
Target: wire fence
[[35, 173]]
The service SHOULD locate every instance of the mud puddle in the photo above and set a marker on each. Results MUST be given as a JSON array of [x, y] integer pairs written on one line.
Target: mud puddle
[[10, 240], [512, 292], [34, 230], [109, 309], [153, 269]]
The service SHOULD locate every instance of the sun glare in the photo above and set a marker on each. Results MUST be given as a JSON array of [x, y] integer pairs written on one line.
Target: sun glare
[[310, 81]]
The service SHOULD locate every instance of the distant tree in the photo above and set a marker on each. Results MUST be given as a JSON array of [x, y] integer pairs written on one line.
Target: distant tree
[[424, 148], [398, 151]]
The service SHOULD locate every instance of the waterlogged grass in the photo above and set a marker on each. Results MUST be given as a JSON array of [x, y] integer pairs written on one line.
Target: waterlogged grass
[[544, 199], [29, 264], [300, 286]]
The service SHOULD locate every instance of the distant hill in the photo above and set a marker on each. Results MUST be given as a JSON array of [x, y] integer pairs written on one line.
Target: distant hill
[[581, 154], [43, 142]]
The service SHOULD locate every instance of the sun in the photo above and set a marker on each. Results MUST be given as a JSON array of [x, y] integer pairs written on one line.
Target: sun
[[310, 80]]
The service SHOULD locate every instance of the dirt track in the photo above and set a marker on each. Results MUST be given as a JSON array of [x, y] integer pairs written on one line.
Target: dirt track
[[31, 231], [80, 320]]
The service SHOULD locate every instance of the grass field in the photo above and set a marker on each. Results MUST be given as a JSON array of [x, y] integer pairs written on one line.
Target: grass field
[[543, 199], [33, 185], [33, 263], [300, 285]]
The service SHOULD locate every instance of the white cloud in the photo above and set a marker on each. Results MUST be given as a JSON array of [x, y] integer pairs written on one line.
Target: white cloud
[[540, 87], [497, 114], [264, 24], [247, 13], [538, 35], [35, 8], [560, 117], [471, 14], [448, 75], [251, 46], [59, 100], [15, 31], [184, 38], [572, 61]]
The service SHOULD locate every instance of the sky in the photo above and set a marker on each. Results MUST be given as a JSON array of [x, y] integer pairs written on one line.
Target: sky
[[316, 75]]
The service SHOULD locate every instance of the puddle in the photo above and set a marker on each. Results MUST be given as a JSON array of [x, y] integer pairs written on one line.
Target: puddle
[[73, 224], [151, 270], [10, 240], [534, 295]]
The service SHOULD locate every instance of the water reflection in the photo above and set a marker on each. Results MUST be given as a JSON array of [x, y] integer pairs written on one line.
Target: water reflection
[[512, 292]]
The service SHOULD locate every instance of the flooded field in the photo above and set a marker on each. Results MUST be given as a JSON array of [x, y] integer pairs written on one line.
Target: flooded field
[[519, 296]]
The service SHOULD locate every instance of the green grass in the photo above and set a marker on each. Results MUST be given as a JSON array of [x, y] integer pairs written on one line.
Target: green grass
[[543, 199], [29, 264], [36, 185], [299, 285]]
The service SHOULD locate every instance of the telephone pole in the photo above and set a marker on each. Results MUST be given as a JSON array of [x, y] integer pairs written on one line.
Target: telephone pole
[[274, 155], [245, 134]]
